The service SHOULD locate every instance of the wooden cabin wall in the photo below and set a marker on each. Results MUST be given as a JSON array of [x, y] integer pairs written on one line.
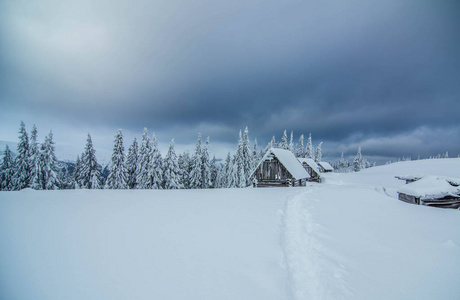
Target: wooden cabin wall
[[272, 170]]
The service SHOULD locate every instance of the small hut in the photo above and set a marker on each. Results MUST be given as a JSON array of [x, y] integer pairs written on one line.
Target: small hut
[[279, 167], [325, 167], [311, 167], [432, 191]]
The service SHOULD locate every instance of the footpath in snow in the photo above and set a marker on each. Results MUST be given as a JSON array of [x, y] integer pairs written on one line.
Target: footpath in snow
[[350, 238]]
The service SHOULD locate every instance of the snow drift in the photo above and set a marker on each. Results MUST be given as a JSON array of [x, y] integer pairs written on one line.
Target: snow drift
[[347, 238]]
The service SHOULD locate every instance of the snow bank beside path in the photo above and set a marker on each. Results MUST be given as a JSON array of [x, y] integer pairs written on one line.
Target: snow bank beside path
[[382, 248], [109, 244]]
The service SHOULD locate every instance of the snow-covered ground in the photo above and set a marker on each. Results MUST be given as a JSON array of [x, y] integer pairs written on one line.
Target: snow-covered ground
[[347, 238]]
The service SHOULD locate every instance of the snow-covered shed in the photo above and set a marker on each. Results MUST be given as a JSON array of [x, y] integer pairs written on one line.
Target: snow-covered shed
[[279, 167], [311, 167], [325, 167], [432, 191]]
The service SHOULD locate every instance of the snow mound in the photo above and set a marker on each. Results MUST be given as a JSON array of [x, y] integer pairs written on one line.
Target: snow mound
[[431, 187]]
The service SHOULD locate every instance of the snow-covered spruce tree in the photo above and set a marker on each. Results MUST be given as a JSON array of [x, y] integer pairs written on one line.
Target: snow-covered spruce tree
[[206, 181], [358, 161], [155, 170], [271, 144], [143, 162], [7, 170], [247, 157], [291, 142], [46, 170], [38, 181], [131, 164], [255, 156], [184, 169], [90, 173], [341, 165], [22, 172], [309, 149], [195, 178], [226, 172], [171, 170], [300, 151], [318, 154], [51, 170], [214, 172], [219, 176], [284, 143], [239, 164], [117, 178], [77, 173], [33, 151]]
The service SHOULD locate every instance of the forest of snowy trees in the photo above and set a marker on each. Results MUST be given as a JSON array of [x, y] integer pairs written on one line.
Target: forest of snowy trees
[[35, 165]]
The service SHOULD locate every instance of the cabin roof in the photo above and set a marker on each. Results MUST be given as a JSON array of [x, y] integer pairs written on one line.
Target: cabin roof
[[431, 187], [326, 166], [288, 160], [310, 162]]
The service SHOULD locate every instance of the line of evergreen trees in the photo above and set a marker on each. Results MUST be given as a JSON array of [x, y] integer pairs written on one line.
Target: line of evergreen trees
[[142, 167]]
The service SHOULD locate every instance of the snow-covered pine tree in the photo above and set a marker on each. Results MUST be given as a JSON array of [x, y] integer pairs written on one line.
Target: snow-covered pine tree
[[284, 144], [39, 179], [358, 161], [50, 162], [33, 151], [318, 154], [22, 172], [195, 178], [155, 173], [171, 171], [271, 144], [206, 181], [131, 164], [300, 151], [226, 172], [255, 156], [7, 170], [247, 157], [219, 176], [291, 142], [309, 149], [143, 162], [90, 174], [239, 164], [184, 169], [77, 173], [341, 165], [46, 170], [118, 178], [214, 172]]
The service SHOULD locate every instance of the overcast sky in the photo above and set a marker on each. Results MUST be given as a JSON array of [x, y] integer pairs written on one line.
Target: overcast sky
[[381, 74]]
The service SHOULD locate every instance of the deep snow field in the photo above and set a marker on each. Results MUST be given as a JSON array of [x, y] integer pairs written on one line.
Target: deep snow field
[[346, 238]]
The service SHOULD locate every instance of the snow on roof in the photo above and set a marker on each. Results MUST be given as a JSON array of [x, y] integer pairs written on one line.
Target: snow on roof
[[430, 187], [310, 162], [409, 177], [288, 160], [326, 166]]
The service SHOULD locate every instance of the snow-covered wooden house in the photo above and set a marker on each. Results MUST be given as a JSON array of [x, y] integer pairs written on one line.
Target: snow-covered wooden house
[[279, 167], [325, 167], [311, 167], [432, 191]]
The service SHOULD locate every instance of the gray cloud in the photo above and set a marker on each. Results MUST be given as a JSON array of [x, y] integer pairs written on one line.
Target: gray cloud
[[354, 72]]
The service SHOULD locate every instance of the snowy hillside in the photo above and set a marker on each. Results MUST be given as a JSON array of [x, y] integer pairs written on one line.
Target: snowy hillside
[[347, 238]]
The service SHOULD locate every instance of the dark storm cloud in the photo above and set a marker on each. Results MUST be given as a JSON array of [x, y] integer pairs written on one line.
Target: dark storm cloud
[[348, 72]]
